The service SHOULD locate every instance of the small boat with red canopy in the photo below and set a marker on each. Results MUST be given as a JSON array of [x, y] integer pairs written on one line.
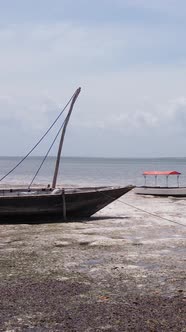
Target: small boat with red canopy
[[164, 189]]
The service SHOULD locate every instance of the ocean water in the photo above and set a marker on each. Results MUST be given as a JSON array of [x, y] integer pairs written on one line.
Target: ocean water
[[75, 171]]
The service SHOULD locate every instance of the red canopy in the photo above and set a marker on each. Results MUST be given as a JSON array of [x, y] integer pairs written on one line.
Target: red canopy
[[161, 173]]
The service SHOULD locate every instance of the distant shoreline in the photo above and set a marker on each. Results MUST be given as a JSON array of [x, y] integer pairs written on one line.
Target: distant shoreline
[[97, 157]]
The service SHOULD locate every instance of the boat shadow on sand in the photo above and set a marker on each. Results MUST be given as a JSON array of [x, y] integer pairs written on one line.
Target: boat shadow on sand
[[39, 221]]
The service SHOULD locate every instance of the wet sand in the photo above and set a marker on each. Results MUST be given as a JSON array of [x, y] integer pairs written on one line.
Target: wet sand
[[122, 270]]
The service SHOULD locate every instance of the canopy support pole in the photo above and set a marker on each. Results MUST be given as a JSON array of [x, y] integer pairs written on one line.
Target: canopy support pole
[[178, 180], [167, 181], [145, 180], [155, 180]]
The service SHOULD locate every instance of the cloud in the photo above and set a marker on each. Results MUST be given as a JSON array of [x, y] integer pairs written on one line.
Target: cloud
[[167, 6], [59, 48], [132, 78], [91, 11]]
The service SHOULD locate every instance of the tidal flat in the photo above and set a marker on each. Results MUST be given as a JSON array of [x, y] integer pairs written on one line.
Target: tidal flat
[[121, 270]]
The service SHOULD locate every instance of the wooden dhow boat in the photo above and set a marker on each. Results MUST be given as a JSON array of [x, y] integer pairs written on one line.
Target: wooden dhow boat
[[58, 204], [54, 203], [163, 190]]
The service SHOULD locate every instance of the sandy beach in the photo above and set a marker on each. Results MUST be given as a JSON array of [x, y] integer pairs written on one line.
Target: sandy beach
[[122, 270]]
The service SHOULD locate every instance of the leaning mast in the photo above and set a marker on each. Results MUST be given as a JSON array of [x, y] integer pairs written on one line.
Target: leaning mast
[[76, 94]]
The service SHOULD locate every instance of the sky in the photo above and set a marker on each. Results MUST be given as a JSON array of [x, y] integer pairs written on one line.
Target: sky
[[128, 57]]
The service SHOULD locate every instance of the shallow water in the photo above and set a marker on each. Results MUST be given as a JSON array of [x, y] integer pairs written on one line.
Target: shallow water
[[91, 171]]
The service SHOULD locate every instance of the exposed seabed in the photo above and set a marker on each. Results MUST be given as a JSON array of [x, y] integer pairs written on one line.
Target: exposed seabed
[[122, 270]]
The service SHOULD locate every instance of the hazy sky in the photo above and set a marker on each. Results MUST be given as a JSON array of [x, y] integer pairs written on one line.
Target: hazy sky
[[129, 57]]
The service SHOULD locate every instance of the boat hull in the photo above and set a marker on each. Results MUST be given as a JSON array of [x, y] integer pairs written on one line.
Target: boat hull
[[74, 203], [161, 191]]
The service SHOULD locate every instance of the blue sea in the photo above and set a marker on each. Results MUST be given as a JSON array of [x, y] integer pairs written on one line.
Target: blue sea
[[76, 171]]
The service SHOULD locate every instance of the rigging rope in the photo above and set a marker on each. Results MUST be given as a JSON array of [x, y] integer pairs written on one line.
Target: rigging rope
[[20, 162], [142, 210], [152, 214], [47, 154]]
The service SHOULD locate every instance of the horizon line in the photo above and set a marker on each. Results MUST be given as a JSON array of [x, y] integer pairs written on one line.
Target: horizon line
[[92, 157]]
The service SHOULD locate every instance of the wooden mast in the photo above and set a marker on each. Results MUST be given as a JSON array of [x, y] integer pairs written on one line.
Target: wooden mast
[[62, 137]]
